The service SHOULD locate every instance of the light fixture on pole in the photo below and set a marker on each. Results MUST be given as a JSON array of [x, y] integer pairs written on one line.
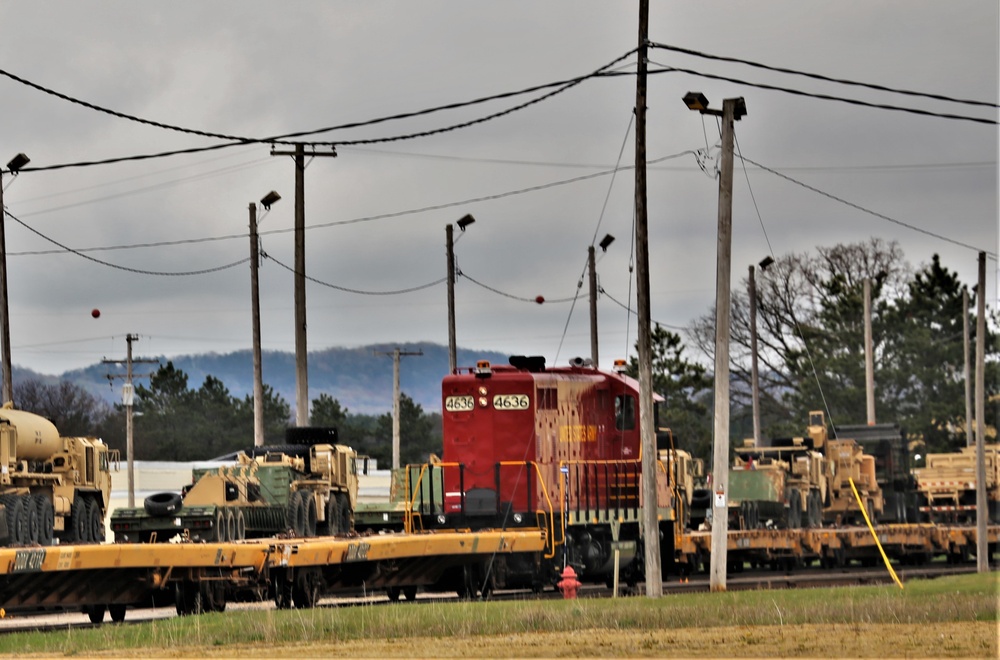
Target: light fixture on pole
[[754, 381], [7, 394], [732, 110], [449, 233], [258, 377]]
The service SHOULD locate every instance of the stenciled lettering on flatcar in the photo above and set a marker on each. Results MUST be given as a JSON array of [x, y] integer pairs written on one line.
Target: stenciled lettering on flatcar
[[357, 552], [27, 561], [511, 401], [578, 433], [459, 403]]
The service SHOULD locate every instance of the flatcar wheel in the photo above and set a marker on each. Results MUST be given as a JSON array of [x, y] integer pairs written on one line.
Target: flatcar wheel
[[283, 589], [306, 589], [95, 613], [410, 593], [117, 612], [393, 594]]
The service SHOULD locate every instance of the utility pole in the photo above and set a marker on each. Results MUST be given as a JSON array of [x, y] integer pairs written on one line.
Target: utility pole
[[128, 395], [982, 551], [969, 437], [754, 385], [869, 358], [650, 517], [7, 392], [593, 306], [449, 234], [258, 376], [301, 352], [396, 354], [732, 110]]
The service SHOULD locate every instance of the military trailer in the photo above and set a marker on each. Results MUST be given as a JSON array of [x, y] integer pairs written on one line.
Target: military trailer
[[946, 486], [276, 492]]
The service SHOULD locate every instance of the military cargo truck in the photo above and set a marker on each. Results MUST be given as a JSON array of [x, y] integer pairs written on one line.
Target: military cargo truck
[[52, 488], [277, 492]]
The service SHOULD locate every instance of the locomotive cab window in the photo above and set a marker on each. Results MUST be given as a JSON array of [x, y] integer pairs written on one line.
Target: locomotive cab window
[[624, 412]]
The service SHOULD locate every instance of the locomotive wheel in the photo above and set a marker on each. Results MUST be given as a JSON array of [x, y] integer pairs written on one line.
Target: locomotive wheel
[[814, 510], [46, 519]]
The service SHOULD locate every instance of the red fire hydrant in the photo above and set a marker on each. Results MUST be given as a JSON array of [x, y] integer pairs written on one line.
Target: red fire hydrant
[[568, 584]]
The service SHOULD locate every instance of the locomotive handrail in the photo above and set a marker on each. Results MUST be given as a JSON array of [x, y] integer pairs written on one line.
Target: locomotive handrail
[[550, 528], [607, 484], [408, 514]]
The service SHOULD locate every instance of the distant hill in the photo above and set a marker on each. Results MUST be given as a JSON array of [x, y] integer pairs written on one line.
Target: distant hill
[[359, 378]]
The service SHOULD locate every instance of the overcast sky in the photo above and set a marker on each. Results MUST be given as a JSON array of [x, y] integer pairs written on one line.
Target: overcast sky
[[376, 214]]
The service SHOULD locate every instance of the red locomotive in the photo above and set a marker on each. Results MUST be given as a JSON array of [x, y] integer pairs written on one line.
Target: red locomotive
[[526, 445]]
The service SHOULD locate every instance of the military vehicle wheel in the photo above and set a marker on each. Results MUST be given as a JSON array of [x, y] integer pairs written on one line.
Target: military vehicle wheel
[[46, 519], [870, 509], [15, 519], [30, 513], [95, 525], [794, 509], [333, 516], [162, 504], [95, 613], [344, 503], [230, 525], [295, 515], [117, 612], [309, 504], [814, 510], [78, 520], [219, 527], [241, 526]]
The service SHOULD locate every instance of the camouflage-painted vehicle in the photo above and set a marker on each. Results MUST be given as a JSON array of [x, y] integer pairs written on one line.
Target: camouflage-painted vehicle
[[276, 492]]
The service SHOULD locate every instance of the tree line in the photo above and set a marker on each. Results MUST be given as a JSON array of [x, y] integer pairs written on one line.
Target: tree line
[[174, 422]]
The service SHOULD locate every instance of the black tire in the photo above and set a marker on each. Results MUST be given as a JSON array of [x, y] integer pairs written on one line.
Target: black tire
[[95, 613], [78, 520], [163, 504], [95, 521], [16, 520], [31, 523], [794, 509], [117, 612], [46, 519], [309, 506], [346, 515], [295, 515], [219, 528], [333, 516], [814, 510]]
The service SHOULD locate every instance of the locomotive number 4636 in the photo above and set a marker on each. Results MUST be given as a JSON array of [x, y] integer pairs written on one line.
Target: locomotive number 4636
[[511, 401], [459, 403]]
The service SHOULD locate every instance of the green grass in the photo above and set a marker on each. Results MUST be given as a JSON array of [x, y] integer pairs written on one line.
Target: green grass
[[966, 598]]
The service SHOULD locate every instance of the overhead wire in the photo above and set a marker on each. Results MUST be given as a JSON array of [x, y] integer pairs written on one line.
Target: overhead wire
[[129, 269], [817, 76], [345, 289], [561, 86]]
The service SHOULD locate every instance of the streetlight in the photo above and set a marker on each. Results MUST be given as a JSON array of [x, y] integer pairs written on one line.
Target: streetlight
[[449, 231], [7, 394], [258, 377], [732, 110], [605, 242]]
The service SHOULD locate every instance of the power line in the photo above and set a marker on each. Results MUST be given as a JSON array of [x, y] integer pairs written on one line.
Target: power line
[[865, 210], [139, 271], [512, 296], [358, 291], [823, 97], [636, 313], [560, 86], [817, 76]]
